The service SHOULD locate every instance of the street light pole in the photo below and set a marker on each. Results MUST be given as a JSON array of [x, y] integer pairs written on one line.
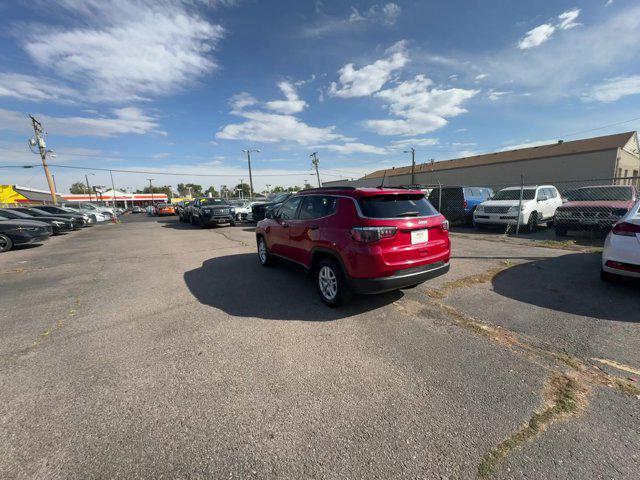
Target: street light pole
[[248, 152], [151, 189]]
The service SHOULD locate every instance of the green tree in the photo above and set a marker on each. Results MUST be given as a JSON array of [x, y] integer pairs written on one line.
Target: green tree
[[78, 188], [185, 188], [212, 190], [244, 188], [277, 189]]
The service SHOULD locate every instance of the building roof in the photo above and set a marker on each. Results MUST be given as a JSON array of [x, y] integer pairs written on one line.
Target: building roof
[[608, 142], [33, 195]]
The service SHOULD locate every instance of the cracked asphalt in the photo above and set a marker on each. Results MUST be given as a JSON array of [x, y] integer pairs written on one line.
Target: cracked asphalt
[[153, 349]]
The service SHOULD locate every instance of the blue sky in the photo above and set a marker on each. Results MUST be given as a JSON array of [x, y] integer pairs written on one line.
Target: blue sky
[[184, 86]]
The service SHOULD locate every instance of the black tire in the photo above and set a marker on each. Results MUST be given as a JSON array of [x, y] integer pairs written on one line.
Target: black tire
[[561, 231], [6, 243], [192, 220], [532, 224], [265, 258], [331, 272]]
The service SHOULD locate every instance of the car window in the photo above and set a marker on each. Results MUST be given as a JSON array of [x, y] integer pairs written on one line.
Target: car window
[[396, 206], [316, 206], [541, 194], [514, 194], [288, 209]]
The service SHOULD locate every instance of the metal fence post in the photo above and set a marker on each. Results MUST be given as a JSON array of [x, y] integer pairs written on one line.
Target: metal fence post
[[439, 196], [520, 204]]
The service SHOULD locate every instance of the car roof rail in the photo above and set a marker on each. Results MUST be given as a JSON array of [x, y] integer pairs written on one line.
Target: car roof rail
[[324, 189]]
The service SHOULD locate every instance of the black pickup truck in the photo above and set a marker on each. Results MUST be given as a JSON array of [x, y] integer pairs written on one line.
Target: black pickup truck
[[207, 211], [259, 211]]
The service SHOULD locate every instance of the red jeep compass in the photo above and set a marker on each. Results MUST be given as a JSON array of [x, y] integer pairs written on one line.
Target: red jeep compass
[[358, 240]]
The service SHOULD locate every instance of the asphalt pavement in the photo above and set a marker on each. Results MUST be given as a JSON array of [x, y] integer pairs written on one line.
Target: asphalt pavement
[[155, 349]]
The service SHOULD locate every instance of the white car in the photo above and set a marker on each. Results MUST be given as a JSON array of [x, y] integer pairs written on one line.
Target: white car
[[243, 212], [539, 204], [621, 254], [98, 216]]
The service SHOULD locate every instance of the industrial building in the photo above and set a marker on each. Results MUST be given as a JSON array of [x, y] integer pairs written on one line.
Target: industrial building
[[606, 159]]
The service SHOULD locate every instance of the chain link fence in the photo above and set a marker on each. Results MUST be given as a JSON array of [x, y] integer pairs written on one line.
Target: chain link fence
[[593, 205]]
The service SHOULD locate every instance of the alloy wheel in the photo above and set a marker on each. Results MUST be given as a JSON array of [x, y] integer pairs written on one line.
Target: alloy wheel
[[328, 283]]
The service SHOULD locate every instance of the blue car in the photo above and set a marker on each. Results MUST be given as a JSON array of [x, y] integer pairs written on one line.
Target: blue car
[[458, 203]]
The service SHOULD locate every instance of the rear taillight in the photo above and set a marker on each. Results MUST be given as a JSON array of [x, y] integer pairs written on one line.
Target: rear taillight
[[372, 234], [464, 204], [625, 229], [445, 225]]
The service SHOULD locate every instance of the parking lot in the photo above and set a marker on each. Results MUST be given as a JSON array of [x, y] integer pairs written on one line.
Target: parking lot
[[157, 349]]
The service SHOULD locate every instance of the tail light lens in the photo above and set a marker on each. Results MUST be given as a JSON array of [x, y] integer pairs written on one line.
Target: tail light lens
[[445, 225], [464, 204], [625, 229], [372, 234]]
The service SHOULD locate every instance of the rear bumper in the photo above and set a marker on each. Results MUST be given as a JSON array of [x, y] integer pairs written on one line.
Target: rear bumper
[[401, 279], [604, 225]]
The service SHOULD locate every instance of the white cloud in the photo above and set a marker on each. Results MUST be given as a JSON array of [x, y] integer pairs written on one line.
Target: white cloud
[[292, 104], [242, 100], [128, 120], [614, 89], [351, 147], [34, 89], [495, 95], [377, 14], [568, 19], [482, 76], [370, 78], [536, 36], [609, 2], [420, 109], [579, 55], [127, 50], [539, 35], [415, 142]]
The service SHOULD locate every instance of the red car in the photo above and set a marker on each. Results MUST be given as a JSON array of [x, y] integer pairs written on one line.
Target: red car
[[358, 240], [165, 209]]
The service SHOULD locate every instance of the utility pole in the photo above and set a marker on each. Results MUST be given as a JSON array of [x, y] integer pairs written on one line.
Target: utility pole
[[113, 189], [248, 152], [55, 187], [86, 177], [151, 189], [42, 149], [315, 163], [241, 192], [413, 164]]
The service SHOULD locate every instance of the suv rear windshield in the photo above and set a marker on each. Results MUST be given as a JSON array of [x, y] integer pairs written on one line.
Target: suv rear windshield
[[527, 194], [601, 194], [212, 201], [396, 206]]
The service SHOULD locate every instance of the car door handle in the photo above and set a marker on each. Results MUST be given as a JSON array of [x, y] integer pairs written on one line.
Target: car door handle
[[313, 227]]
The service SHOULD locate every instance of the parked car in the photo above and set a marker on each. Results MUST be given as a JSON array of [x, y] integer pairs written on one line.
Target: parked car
[[207, 211], [244, 212], [539, 205], [621, 254], [365, 240], [90, 207], [77, 220], [259, 210], [594, 208], [182, 209], [58, 225], [137, 209], [165, 209], [457, 204], [22, 232], [95, 216], [89, 218]]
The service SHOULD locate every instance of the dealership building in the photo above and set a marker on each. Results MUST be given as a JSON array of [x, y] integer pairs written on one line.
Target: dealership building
[[610, 159]]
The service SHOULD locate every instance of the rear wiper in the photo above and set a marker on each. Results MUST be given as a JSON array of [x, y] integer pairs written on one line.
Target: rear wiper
[[408, 214]]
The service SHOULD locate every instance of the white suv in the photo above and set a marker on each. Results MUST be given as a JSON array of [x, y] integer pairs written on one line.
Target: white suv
[[539, 205]]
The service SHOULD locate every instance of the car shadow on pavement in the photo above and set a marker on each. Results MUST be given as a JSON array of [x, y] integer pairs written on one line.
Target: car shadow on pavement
[[571, 284], [240, 286], [177, 224]]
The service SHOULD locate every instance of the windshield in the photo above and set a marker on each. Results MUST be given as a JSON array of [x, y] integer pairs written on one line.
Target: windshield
[[527, 194], [396, 206], [15, 213], [213, 201], [600, 194], [37, 211], [279, 198]]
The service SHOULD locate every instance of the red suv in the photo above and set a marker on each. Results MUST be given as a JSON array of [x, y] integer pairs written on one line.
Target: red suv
[[358, 240]]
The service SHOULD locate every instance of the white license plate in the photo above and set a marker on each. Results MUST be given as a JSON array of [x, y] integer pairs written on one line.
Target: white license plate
[[419, 236]]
